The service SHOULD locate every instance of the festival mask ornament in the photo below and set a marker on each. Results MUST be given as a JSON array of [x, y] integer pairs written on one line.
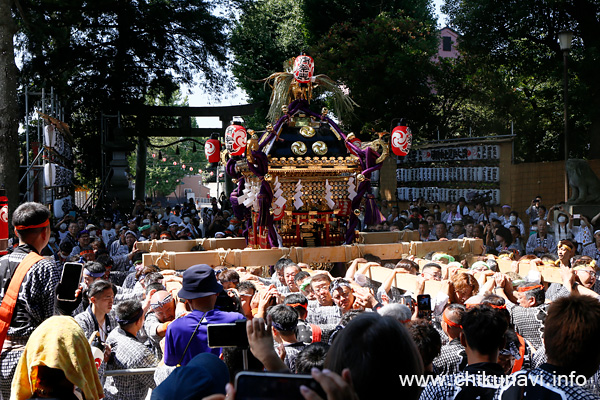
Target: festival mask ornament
[[401, 140], [304, 68], [212, 149], [235, 140]]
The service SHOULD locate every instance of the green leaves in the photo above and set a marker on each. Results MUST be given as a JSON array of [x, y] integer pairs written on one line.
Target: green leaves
[[518, 42], [385, 62], [101, 55], [381, 51]]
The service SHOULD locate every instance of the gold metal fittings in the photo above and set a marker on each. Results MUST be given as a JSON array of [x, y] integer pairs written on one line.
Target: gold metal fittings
[[320, 148], [307, 131], [299, 148]]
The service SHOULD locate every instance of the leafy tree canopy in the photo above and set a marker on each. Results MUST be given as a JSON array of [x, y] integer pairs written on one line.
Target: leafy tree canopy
[[379, 50], [100, 55], [519, 39]]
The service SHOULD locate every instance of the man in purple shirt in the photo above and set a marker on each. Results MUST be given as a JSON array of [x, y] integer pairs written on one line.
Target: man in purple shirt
[[186, 336]]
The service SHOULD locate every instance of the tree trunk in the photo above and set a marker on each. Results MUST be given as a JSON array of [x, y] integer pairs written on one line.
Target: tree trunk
[[9, 139]]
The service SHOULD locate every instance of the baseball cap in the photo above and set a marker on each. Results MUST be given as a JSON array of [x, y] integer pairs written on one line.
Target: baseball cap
[[199, 281]]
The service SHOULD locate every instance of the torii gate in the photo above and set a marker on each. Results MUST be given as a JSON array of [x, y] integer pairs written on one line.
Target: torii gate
[[142, 127]]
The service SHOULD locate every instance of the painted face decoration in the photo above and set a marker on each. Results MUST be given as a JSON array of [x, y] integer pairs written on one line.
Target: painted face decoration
[[401, 140], [235, 140], [304, 68]]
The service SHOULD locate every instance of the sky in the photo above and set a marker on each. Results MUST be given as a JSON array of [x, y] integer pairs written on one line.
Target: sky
[[199, 98]]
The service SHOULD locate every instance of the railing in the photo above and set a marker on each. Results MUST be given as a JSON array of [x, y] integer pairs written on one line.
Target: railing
[[127, 372]]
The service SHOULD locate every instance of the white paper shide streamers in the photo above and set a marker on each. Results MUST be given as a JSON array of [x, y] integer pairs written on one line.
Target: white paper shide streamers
[[351, 188], [249, 196], [298, 203], [278, 200]]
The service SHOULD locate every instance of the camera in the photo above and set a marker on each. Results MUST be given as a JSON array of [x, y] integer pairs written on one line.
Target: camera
[[227, 335], [479, 197]]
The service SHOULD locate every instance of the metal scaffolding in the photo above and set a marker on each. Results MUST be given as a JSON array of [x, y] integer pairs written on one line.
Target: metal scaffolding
[[35, 152]]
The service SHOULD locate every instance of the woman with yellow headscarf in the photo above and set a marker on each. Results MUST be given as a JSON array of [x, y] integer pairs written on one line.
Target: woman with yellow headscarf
[[57, 359]]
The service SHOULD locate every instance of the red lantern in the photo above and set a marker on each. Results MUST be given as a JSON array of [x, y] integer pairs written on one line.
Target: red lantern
[[235, 140], [304, 68], [212, 149], [401, 140]]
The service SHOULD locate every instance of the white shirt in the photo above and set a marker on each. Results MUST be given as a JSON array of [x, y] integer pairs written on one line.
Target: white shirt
[[107, 235]]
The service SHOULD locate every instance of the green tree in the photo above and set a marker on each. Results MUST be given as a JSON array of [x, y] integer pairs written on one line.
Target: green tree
[[379, 50], [519, 40], [102, 55], [322, 15], [9, 150], [385, 62], [163, 175]]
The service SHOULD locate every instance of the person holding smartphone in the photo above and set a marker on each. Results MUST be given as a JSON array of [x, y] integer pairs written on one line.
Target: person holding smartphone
[[187, 336], [37, 290]]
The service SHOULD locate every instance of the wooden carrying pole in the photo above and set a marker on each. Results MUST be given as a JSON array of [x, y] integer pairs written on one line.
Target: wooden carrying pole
[[262, 257]]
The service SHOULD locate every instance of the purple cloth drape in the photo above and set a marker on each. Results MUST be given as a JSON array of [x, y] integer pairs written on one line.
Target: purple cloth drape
[[372, 213], [260, 167], [239, 210]]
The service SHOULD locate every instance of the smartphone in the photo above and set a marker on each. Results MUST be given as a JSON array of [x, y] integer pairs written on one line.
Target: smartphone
[[424, 306], [227, 335], [406, 300], [72, 214], [576, 216], [273, 386], [69, 281]]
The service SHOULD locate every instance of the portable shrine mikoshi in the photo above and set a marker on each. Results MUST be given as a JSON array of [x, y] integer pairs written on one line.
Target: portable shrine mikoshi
[[303, 181]]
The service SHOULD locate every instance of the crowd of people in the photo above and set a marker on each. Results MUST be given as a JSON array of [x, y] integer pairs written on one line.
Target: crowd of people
[[501, 230], [485, 334]]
